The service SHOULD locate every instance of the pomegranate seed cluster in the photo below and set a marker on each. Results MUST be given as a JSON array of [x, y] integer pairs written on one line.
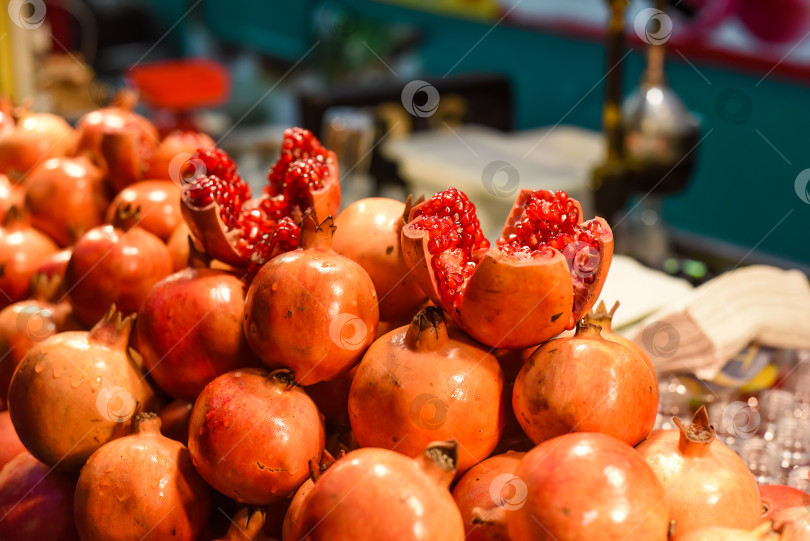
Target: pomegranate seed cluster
[[298, 145], [266, 228], [548, 221], [454, 237]]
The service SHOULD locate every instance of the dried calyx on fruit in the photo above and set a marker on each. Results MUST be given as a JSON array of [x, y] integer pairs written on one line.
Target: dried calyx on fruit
[[544, 274], [245, 232]]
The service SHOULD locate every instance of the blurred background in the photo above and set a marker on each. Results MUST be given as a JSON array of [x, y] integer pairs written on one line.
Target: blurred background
[[704, 169]]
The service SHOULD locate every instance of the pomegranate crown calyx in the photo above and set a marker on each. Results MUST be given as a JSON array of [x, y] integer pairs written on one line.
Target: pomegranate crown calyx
[[428, 329], [697, 436], [113, 329], [316, 235], [127, 216], [146, 421], [439, 461], [586, 328]]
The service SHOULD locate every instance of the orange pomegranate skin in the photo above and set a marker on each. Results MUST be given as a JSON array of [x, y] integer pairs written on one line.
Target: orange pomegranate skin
[[311, 310], [374, 493], [159, 201], [142, 486], [66, 198], [707, 484], [584, 486], [585, 383], [368, 232], [474, 492], [427, 382]]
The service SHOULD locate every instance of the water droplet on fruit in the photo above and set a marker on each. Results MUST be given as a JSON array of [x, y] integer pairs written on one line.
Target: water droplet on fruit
[[75, 384], [274, 287], [40, 366]]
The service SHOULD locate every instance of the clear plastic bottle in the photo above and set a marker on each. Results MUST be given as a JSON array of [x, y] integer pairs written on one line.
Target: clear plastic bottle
[[673, 401], [798, 478], [774, 404], [793, 444], [761, 459]]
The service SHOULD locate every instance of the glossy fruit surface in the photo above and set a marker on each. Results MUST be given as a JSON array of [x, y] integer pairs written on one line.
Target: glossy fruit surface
[[159, 201], [428, 382]]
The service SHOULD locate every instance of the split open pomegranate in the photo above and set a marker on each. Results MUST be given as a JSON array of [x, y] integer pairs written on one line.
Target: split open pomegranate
[[543, 275], [247, 232]]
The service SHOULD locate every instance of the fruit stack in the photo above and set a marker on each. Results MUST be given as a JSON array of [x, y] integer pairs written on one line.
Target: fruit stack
[[182, 360]]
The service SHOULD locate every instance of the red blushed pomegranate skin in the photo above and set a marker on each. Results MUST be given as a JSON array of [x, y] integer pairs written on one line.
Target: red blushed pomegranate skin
[[36, 138], [253, 433], [142, 486], [776, 498], [22, 250], [10, 444], [176, 142], [379, 494], [587, 486], [36, 504], [112, 265], [189, 330], [474, 491], [793, 523]]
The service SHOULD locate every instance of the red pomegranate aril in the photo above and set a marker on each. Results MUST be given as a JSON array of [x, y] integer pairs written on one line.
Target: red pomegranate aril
[[520, 292]]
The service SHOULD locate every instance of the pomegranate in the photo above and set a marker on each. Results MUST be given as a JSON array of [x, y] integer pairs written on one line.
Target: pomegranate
[[765, 533], [378, 494], [178, 244], [247, 525], [296, 507], [585, 383], [586, 486], [54, 266], [10, 195], [174, 420], [189, 329], [36, 503], [10, 444], [142, 486], [311, 310], [22, 250], [513, 438], [332, 399], [775, 498], [159, 201], [117, 263], [120, 141], [37, 137], [426, 382], [255, 459], [544, 275], [489, 485], [777, 21], [248, 232], [177, 143], [25, 323], [66, 197], [793, 524], [378, 221], [603, 318], [706, 483], [72, 392]]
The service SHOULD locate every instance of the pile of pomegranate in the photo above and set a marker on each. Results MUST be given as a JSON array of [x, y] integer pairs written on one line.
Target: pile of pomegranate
[[183, 359]]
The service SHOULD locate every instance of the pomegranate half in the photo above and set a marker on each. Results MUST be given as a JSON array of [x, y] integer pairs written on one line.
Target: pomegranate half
[[544, 274]]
